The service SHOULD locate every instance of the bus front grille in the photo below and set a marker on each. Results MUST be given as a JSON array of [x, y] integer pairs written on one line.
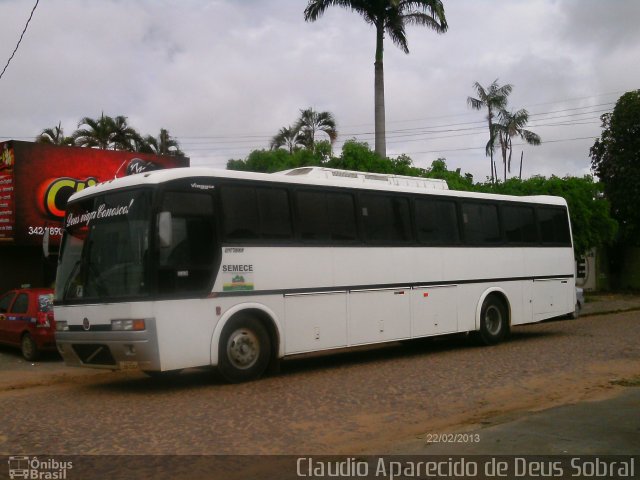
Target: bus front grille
[[94, 354]]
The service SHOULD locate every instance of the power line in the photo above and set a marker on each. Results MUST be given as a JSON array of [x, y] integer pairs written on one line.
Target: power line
[[560, 140], [20, 39], [423, 130]]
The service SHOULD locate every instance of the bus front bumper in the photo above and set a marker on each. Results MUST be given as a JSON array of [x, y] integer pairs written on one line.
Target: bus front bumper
[[113, 350]]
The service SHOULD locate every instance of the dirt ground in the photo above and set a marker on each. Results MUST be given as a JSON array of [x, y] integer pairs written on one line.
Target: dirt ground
[[366, 401]]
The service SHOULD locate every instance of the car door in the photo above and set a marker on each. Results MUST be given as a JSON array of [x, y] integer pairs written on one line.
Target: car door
[[18, 318], [5, 303]]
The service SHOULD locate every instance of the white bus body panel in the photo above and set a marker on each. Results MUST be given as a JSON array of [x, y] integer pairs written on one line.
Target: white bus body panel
[[323, 297]]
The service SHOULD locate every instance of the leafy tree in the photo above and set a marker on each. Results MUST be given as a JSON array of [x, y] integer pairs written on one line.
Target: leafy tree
[[269, 161], [54, 136], [390, 17], [494, 99], [591, 223], [358, 156], [455, 180], [511, 124], [615, 159]]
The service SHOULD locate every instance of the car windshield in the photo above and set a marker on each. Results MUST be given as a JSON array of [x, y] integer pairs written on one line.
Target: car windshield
[[105, 248]]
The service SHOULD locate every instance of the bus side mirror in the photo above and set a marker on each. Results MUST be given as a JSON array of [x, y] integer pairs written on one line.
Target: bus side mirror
[[165, 232]]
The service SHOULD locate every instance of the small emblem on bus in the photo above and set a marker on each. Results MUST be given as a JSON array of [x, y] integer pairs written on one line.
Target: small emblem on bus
[[86, 324]]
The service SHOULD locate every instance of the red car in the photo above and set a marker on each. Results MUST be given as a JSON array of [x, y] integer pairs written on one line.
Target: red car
[[26, 320]]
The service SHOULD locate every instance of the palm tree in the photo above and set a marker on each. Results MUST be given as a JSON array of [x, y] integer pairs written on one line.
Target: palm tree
[[311, 122], [390, 17], [494, 98], [287, 137], [123, 137], [511, 124], [54, 136], [163, 144], [97, 134], [106, 133]]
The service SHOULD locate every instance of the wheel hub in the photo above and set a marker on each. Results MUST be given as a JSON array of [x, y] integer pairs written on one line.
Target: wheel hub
[[243, 349], [493, 320]]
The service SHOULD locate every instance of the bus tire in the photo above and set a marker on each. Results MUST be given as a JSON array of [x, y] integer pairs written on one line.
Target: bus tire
[[494, 321], [244, 350]]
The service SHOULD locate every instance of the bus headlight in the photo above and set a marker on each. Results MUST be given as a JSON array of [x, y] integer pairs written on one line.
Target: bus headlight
[[62, 326], [127, 324]]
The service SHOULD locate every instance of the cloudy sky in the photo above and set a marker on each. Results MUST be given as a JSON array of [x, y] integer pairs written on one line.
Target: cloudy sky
[[224, 75]]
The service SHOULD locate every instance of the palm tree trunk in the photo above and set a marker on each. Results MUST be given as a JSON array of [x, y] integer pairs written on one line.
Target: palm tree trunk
[[380, 146], [503, 146], [491, 141], [491, 147]]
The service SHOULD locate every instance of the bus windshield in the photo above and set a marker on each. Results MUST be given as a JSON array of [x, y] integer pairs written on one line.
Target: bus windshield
[[105, 249]]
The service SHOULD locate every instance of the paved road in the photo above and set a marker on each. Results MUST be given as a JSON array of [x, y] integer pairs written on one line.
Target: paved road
[[355, 402]]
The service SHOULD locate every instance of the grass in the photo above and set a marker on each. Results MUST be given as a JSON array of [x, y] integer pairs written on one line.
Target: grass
[[627, 382]]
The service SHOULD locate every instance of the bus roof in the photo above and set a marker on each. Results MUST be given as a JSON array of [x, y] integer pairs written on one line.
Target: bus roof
[[310, 176]]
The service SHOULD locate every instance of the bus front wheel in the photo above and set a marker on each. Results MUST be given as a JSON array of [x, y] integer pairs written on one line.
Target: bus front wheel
[[244, 350], [494, 320]]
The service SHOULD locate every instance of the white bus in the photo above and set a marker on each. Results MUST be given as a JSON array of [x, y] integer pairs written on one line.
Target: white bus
[[192, 267]]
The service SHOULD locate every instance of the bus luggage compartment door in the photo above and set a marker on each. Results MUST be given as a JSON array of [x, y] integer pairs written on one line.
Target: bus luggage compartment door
[[435, 310], [379, 315]]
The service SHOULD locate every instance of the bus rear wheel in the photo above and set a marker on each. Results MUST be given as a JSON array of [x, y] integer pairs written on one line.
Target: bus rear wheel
[[244, 350], [494, 321]]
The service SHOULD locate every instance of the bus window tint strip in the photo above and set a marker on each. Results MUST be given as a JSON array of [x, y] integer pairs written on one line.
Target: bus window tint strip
[[263, 215]]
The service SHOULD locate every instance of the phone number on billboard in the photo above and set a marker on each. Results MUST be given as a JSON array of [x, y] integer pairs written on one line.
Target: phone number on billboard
[[56, 231]]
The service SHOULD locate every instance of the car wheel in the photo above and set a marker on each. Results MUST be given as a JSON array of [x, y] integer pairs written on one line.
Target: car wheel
[[29, 348], [576, 313], [244, 350]]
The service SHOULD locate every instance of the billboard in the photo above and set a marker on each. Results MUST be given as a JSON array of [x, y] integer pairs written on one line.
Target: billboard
[[7, 204], [36, 180]]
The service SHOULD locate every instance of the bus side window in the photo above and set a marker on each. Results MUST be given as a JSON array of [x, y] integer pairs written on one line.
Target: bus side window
[[255, 213], [519, 224], [187, 264], [386, 218], [554, 226], [480, 223], [437, 222], [326, 217]]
